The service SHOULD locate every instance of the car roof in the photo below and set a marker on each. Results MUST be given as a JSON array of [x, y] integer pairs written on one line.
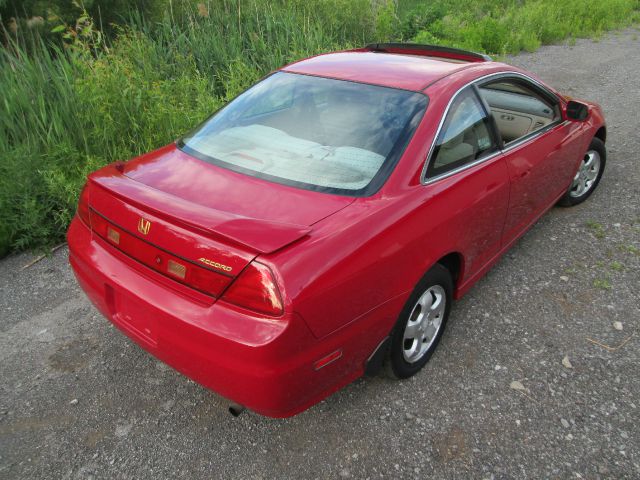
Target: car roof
[[397, 70]]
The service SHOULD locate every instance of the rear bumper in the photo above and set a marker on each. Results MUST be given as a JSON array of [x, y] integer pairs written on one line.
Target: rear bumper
[[264, 364]]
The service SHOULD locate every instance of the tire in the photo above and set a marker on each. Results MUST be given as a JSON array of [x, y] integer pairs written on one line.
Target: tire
[[407, 356], [588, 177]]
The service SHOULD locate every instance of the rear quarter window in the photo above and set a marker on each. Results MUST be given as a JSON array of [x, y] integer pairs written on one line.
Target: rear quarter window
[[465, 136]]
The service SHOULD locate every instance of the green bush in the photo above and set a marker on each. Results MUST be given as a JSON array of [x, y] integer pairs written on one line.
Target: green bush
[[87, 99], [130, 106]]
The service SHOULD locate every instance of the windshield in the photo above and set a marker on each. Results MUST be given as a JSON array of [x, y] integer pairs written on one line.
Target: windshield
[[317, 133]]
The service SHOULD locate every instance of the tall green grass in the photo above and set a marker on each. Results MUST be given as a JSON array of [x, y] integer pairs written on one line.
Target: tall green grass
[[67, 111], [510, 26]]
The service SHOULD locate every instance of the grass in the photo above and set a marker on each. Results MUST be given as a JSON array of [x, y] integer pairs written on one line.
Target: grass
[[630, 249], [510, 26], [66, 111], [602, 283], [616, 266], [596, 229]]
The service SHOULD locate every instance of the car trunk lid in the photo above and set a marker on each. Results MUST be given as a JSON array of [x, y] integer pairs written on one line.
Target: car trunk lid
[[172, 171], [170, 212]]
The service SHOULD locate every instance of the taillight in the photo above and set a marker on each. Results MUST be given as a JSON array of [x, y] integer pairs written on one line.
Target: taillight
[[83, 206], [256, 289]]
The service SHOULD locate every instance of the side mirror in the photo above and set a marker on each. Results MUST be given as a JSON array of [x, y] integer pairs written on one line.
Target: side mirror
[[577, 111]]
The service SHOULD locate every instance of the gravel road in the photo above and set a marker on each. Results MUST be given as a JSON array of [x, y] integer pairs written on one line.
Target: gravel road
[[536, 377]]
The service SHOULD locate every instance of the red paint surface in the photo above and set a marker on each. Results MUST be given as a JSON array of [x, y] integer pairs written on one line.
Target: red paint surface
[[344, 267]]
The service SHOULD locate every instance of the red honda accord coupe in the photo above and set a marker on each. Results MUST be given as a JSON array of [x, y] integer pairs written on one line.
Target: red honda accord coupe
[[320, 225]]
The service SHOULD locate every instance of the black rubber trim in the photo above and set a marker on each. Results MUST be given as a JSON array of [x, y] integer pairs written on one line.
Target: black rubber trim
[[384, 47], [497, 136], [376, 360]]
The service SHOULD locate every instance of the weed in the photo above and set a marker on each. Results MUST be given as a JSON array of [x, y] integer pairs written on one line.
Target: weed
[[602, 283], [596, 228], [616, 266]]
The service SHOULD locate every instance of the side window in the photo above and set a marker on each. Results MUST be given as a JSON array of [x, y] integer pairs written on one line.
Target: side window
[[465, 135], [518, 107]]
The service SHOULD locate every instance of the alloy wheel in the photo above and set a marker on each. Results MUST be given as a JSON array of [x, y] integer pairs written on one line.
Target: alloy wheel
[[587, 174], [424, 324]]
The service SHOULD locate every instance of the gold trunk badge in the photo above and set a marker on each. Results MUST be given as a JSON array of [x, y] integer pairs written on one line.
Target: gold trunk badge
[[213, 264], [144, 226]]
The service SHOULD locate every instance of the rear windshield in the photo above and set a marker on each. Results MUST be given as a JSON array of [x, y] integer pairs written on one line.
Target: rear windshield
[[316, 133]]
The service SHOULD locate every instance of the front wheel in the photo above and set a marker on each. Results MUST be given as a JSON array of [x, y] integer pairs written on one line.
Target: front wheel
[[588, 175], [421, 323]]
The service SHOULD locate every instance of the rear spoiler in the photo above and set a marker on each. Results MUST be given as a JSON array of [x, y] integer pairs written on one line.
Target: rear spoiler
[[428, 51]]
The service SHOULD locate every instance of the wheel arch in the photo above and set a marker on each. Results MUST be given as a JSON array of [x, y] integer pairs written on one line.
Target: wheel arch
[[454, 263], [602, 134]]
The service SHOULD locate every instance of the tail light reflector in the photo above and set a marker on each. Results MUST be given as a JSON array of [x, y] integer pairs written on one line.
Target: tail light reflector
[[256, 289], [176, 269], [113, 235], [332, 357]]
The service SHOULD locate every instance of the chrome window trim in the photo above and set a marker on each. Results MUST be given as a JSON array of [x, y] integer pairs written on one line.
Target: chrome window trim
[[505, 148]]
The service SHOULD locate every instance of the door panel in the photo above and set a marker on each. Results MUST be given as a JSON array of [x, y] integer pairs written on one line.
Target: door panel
[[537, 151], [473, 206], [540, 170], [476, 194]]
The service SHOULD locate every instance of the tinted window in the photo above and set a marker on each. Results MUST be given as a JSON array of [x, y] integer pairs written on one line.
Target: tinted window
[[518, 108], [465, 135], [311, 132]]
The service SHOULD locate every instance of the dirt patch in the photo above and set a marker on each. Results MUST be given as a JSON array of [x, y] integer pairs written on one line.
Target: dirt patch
[[74, 355]]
